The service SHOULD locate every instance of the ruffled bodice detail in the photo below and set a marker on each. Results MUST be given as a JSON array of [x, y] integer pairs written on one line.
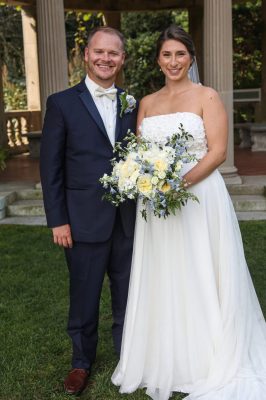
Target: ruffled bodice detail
[[159, 127]]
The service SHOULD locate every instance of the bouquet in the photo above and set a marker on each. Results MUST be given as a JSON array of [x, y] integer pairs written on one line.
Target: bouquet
[[150, 172]]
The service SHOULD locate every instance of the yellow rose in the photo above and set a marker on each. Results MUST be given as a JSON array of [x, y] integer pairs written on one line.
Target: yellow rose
[[166, 187], [160, 165], [144, 184], [128, 168]]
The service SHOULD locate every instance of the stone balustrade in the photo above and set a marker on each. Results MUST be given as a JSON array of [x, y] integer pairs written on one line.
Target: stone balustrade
[[252, 135], [258, 137], [243, 129], [18, 125]]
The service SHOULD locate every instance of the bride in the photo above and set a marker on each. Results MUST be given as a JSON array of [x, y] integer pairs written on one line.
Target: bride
[[193, 322]]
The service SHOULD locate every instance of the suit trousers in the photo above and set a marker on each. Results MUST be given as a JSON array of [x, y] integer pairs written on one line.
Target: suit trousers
[[87, 263]]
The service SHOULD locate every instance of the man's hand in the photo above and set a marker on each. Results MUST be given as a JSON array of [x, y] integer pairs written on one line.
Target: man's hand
[[62, 235]]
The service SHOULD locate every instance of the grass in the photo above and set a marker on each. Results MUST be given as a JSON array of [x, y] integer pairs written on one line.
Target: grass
[[34, 348]]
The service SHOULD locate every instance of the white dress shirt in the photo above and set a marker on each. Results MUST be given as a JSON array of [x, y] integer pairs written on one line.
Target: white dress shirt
[[106, 107]]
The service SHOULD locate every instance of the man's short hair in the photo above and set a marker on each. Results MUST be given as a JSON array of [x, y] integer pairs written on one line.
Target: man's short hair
[[106, 29]]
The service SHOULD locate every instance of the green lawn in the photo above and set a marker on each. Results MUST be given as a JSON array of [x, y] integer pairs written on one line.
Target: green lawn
[[34, 348]]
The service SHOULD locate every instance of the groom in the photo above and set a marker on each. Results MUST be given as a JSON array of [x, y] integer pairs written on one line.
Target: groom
[[80, 128]]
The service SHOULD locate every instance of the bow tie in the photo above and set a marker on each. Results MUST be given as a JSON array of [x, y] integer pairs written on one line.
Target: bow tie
[[110, 93]]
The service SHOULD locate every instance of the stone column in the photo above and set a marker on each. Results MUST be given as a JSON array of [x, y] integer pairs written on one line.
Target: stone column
[[261, 107], [196, 31], [113, 19], [31, 59], [218, 68], [52, 48]]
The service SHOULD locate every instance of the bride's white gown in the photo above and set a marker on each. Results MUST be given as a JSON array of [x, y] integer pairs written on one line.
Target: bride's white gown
[[193, 321]]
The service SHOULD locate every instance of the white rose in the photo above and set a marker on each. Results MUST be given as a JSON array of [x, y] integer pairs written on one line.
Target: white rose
[[128, 168], [121, 184], [161, 175], [178, 166], [154, 180], [160, 165], [134, 176], [117, 168], [133, 155], [144, 184]]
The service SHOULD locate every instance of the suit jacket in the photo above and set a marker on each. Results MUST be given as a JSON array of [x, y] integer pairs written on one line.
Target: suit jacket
[[75, 153]]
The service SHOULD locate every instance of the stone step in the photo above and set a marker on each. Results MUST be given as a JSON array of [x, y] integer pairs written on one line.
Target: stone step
[[246, 189], [249, 202], [251, 215], [41, 220], [243, 189], [29, 194], [23, 221], [26, 208], [5, 199], [30, 203]]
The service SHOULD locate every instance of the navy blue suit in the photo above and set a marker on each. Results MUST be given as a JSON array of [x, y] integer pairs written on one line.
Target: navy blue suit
[[75, 153]]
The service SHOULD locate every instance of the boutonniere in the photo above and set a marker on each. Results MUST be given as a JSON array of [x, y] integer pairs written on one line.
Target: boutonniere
[[128, 103]]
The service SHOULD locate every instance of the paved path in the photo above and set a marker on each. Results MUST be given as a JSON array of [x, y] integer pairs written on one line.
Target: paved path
[[21, 168], [25, 169], [250, 162]]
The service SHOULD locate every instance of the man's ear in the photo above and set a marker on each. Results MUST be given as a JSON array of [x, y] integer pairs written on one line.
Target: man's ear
[[86, 54], [124, 57]]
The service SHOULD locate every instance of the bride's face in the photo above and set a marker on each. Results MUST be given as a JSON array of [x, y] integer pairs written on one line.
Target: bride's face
[[174, 60]]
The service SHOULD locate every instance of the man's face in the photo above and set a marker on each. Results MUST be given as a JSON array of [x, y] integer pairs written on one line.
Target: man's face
[[104, 57]]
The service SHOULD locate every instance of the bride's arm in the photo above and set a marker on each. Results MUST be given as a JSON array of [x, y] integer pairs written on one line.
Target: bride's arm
[[216, 127]]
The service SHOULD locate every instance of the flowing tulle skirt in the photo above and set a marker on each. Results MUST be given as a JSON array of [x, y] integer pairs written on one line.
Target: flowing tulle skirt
[[193, 322]]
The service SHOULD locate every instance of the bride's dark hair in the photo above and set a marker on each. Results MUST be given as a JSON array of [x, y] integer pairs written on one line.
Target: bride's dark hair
[[176, 33]]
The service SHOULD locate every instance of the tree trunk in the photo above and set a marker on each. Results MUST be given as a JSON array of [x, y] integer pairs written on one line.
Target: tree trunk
[[196, 31], [261, 115], [3, 135]]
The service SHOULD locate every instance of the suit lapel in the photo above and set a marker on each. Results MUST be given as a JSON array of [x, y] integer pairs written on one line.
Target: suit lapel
[[118, 126], [87, 100]]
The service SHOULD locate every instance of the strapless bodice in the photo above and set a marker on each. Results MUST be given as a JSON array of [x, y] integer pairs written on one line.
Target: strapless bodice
[[158, 127]]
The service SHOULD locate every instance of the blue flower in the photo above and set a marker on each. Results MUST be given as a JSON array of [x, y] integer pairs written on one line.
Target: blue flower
[[128, 103]]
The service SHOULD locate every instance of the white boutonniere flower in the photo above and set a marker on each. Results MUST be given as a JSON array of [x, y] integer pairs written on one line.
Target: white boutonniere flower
[[128, 103]]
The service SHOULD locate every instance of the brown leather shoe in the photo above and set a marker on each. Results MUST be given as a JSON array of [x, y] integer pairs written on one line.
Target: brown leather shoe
[[76, 381]]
